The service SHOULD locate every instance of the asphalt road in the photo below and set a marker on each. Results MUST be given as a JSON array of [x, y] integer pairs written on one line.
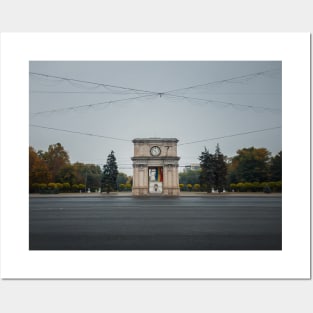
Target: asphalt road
[[126, 223]]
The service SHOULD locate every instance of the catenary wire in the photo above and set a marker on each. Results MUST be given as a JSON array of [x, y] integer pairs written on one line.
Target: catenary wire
[[79, 133], [228, 136], [252, 75], [166, 93], [90, 82], [91, 104], [222, 102], [85, 92], [129, 140]]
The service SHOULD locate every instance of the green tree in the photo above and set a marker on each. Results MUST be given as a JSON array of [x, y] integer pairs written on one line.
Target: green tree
[[189, 177], [110, 172], [220, 170], [276, 167], [207, 170], [67, 175], [92, 177], [250, 165], [80, 172], [129, 180], [121, 178]]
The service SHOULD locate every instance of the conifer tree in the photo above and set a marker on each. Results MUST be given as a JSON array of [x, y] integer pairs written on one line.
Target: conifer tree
[[110, 172], [213, 170], [275, 167], [207, 170], [220, 170]]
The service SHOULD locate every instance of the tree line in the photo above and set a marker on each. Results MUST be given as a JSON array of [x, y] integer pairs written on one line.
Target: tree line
[[251, 169], [51, 172]]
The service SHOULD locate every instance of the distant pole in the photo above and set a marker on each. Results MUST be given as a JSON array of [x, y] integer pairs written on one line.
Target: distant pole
[[86, 181]]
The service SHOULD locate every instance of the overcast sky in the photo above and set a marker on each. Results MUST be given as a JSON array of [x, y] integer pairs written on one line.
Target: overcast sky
[[242, 97]]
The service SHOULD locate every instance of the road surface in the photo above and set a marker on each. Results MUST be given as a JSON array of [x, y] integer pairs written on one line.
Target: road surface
[[157, 223]]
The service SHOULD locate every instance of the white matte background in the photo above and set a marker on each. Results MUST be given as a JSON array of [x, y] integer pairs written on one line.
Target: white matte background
[[157, 296], [18, 49]]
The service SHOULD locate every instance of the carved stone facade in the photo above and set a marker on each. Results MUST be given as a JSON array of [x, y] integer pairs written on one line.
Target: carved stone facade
[[155, 166]]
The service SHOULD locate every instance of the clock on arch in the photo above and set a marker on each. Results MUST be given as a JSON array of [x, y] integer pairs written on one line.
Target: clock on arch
[[155, 151]]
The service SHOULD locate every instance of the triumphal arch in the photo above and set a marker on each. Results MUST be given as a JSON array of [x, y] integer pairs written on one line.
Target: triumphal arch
[[155, 167]]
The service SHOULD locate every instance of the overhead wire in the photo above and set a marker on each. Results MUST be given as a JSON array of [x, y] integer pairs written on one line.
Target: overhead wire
[[228, 136], [79, 133], [84, 92], [169, 94], [144, 94], [68, 79], [223, 102], [90, 105], [129, 140], [251, 75]]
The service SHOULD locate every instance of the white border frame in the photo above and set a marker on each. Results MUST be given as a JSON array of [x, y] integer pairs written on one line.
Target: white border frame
[[293, 262]]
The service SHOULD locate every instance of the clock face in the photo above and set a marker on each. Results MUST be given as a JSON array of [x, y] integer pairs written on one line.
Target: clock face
[[155, 150]]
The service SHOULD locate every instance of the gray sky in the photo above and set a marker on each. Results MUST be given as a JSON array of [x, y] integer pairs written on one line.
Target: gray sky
[[246, 103]]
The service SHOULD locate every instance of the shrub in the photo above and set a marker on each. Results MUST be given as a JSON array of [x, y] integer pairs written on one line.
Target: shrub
[[181, 186], [48, 188], [233, 187], [248, 186], [75, 188], [35, 187], [241, 187], [42, 186], [196, 187], [59, 186], [278, 186], [66, 187], [189, 186], [257, 186], [81, 187], [128, 187], [51, 186]]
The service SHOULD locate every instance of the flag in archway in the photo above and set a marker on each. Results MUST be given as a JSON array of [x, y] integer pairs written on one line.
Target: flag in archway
[[159, 174]]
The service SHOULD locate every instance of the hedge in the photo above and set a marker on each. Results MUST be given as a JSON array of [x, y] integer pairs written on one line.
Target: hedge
[[257, 187], [56, 187]]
